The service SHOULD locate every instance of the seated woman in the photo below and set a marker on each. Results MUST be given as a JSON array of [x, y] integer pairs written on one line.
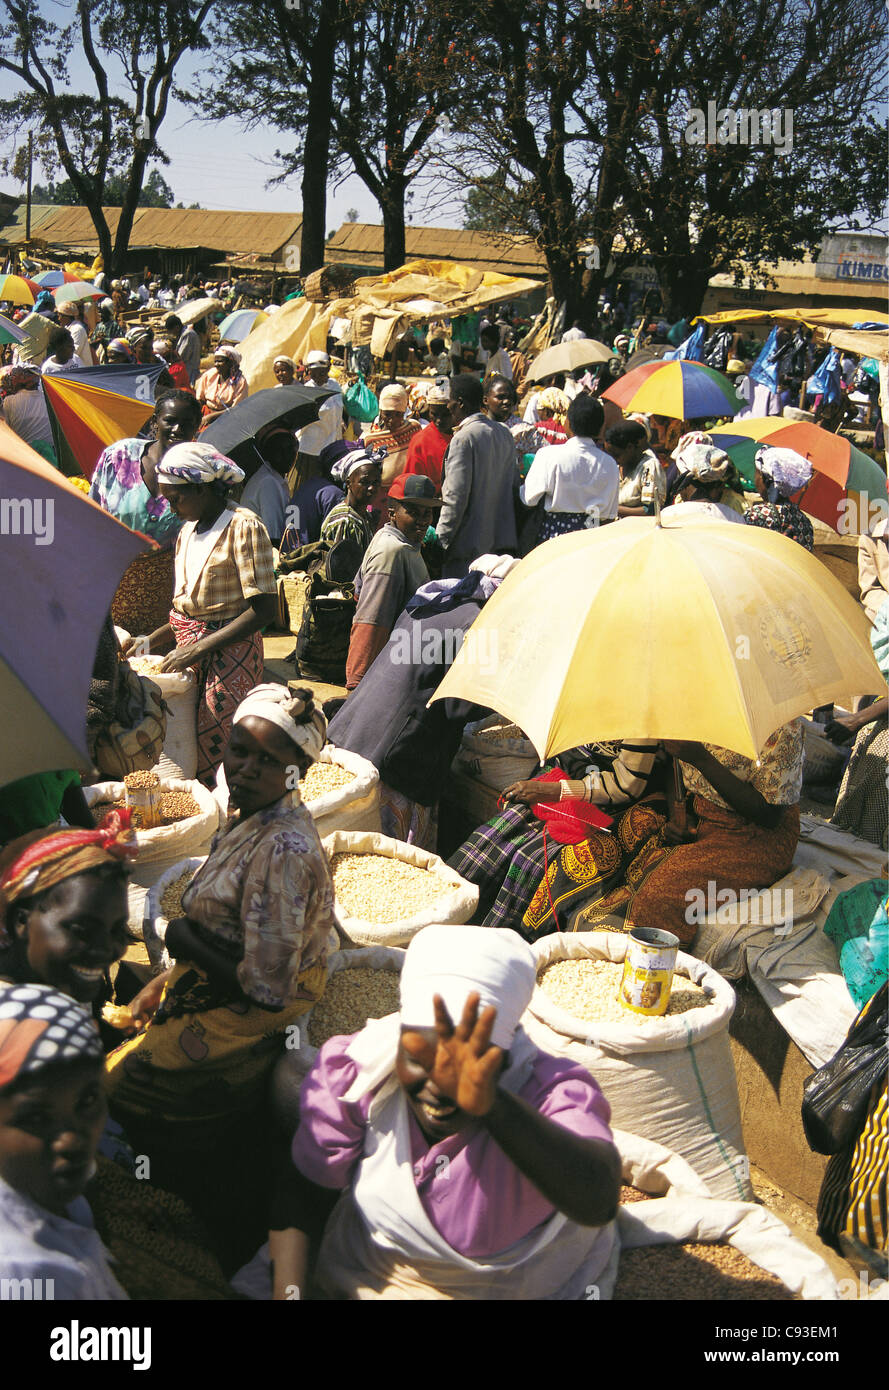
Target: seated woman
[[250, 958], [507, 856], [224, 592], [471, 1164], [745, 829], [780, 472], [52, 1112]]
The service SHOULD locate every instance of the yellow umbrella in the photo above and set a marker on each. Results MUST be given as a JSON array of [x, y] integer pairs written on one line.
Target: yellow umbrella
[[682, 630]]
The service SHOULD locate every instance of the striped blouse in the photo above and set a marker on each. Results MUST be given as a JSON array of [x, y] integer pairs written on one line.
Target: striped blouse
[[617, 772]]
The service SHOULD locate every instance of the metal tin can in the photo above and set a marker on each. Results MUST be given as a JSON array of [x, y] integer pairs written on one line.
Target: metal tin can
[[648, 971]]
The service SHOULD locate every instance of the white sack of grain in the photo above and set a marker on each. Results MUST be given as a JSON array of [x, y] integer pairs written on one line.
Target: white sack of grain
[[498, 762], [671, 1080], [353, 807], [679, 1213], [299, 1054], [456, 903], [165, 846], [154, 927], [180, 691]]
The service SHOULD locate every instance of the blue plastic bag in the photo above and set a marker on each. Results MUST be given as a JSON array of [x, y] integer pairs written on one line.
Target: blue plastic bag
[[765, 368], [859, 928], [827, 378], [692, 350]]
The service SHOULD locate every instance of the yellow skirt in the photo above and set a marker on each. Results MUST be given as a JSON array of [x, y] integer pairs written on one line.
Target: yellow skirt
[[202, 1063]]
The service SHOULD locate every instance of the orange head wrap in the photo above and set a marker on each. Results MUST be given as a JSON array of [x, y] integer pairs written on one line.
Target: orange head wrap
[[50, 859]]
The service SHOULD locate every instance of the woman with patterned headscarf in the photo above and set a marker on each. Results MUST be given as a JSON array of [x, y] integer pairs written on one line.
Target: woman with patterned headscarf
[[224, 592], [780, 473], [705, 488], [249, 959], [52, 1113]]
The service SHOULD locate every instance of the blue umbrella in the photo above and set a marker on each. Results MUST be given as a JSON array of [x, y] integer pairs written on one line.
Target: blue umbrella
[[236, 327]]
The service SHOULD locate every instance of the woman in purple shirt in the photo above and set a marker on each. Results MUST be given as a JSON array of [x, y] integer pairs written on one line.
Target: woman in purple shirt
[[471, 1164]]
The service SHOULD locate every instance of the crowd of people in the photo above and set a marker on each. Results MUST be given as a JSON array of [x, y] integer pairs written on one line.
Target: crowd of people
[[416, 517]]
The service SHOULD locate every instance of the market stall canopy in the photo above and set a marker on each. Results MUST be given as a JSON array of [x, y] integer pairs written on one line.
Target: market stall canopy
[[587, 629], [380, 310], [832, 325], [60, 563]]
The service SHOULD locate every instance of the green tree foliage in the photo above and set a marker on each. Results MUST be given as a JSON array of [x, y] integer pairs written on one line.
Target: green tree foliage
[[155, 192]]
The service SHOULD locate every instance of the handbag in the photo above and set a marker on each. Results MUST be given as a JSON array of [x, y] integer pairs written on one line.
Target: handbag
[[134, 740]]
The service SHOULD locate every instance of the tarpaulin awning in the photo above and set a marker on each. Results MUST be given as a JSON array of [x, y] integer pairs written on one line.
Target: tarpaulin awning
[[832, 325]]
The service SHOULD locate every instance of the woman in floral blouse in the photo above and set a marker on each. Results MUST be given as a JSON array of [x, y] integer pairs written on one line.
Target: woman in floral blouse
[[250, 955]]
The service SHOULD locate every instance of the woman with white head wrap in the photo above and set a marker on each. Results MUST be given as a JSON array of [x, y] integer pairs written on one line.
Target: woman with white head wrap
[[705, 486], [284, 368], [249, 953], [779, 474], [224, 591], [472, 1165], [359, 473], [224, 386], [393, 432]]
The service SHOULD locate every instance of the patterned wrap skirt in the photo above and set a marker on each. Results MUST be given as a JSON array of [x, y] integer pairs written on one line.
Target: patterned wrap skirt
[[225, 678]]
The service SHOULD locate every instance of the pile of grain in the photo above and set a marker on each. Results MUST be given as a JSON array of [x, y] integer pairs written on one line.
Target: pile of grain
[[588, 989], [175, 806], [377, 888], [171, 898], [145, 665], [141, 781], [499, 733], [710, 1273], [322, 778], [350, 999]]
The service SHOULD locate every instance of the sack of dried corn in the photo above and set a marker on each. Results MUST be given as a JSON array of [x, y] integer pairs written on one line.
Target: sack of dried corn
[[191, 818], [386, 890], [670, 1079], [496, 752], [342, 792], [686, 1244], [361, 984], [163, 903], [180, 692]]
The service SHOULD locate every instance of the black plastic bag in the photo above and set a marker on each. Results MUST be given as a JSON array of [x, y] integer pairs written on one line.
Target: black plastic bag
[[835, 1098]]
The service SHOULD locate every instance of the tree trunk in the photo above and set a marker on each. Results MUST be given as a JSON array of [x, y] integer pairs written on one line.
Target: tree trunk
[[316, 150], [124, 227], [683, 287], [394, 251]]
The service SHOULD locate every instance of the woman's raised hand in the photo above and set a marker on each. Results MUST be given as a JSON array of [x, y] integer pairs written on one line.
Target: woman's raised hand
[[462, 1064]]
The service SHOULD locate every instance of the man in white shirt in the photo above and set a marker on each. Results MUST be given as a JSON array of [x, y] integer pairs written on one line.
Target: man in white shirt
[[576, 478], [495, 358], [574, 333], [329, 426], [70, 319], [62, 357]]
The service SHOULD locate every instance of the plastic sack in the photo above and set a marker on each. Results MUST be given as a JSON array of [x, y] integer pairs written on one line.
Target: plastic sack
[[457, 903], [859, 928], [155, 922], [360, 403], [497, 763], [674, 1084], [835, 1098], [165, 846]]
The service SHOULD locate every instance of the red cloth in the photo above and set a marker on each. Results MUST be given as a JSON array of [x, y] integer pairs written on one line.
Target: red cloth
[[179, 372], [425, 453], [571, 819]]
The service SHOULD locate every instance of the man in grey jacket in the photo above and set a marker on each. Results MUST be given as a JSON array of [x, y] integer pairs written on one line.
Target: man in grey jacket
[[477, 516]]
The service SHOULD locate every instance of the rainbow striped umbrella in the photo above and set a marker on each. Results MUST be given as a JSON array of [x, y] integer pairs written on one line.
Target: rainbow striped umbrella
[[17, 289], [94, 407], [10, 332], [74, 290], [848, 489], [678, 390], [51, 279]]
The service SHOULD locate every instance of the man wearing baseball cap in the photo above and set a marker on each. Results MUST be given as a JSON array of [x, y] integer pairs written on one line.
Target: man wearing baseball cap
[[328, 428], [392, 570], [426, 451]]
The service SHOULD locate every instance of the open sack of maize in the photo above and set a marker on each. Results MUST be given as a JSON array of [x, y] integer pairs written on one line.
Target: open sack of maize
[[361, 985], [676, 1241], [386, 890], [189, 818], [671, 1079], [496, 752], [180, 693], [342, 792], [164, 903]]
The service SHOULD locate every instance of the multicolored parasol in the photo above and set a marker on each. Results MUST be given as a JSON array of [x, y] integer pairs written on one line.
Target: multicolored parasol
[[848, 489], [75, 290], [236, 327], [96, 406], [16, 289], [51, 279], [678, 390]]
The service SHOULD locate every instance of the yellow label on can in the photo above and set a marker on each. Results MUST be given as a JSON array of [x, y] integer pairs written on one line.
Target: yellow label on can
[[645, 991]]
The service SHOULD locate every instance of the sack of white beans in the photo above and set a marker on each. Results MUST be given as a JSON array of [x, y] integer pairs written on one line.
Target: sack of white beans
[[496, 752], [386, 890], [353, 805], [669, 1079], [683, 1211], [368, 989], [165, 846], [180, 691]]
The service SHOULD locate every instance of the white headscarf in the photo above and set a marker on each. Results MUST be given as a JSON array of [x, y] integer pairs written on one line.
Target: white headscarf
[[279, 705], [230, 352], [197, 463], [788, 470], [453, 961]]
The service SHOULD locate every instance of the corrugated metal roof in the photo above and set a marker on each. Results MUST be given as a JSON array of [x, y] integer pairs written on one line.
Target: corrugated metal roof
[[362, 243], [260, 233]]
